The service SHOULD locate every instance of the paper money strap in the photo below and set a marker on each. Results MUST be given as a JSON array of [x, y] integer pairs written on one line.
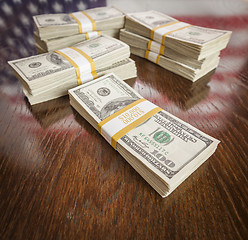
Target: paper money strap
[[159, 33], [121, 122], [83, 64], [93, 34], [85, 22], [155, 47], [152, 56]]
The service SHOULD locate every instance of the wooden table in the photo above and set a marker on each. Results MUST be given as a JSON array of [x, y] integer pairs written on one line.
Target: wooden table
[[61, 180]]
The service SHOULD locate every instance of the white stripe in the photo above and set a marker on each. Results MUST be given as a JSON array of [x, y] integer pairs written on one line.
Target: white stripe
[[158, 34], [152, 56], [82, 62], [86, 77], [155, 47], [116, 124], [87, 25]]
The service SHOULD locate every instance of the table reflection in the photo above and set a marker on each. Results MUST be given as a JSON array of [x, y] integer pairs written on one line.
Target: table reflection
[[50, 112]]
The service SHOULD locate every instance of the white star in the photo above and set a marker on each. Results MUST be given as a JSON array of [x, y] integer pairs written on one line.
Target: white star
[[33, 8], [24, 19], [17, 31], [57, 7], [10, 41], [23, 51], [81, 6], [7, 9], [30, 40]]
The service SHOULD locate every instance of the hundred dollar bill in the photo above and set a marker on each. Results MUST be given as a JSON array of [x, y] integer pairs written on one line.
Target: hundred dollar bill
[[47, 70], [124, 69], [193, 41], [58, 25], [164, 150]]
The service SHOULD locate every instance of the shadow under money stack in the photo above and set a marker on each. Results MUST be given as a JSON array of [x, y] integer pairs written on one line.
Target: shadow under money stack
[[187, 50], [56, 31], [48, 76], [162, 148]]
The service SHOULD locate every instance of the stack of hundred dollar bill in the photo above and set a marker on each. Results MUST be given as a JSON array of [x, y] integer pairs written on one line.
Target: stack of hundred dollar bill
[[48, 76], [163, 149], [187, 50], [56, 31]]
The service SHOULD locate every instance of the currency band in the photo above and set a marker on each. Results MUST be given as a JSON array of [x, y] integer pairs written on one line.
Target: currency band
[[83, 64], [159, 33], [85, 22], [162, 26], [152, 56], [120, 123], [155, 47], [90, 35]]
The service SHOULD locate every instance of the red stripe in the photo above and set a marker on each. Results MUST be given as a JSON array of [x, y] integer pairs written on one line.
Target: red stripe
[[218, 22]]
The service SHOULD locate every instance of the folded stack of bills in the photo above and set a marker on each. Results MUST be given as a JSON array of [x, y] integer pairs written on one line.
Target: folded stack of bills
[[48, 76], [163, 149], [187, 50]]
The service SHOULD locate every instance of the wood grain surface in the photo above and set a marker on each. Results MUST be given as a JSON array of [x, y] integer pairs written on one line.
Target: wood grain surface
[[61, 180]]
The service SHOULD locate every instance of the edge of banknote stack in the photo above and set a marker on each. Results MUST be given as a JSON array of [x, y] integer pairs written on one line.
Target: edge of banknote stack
[[56, 31], [162, 148], [187, 50]]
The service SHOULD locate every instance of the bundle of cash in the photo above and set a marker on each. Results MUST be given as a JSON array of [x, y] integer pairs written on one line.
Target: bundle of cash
[[50, 75], [163, 149], [56, 31], [189, 51]]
